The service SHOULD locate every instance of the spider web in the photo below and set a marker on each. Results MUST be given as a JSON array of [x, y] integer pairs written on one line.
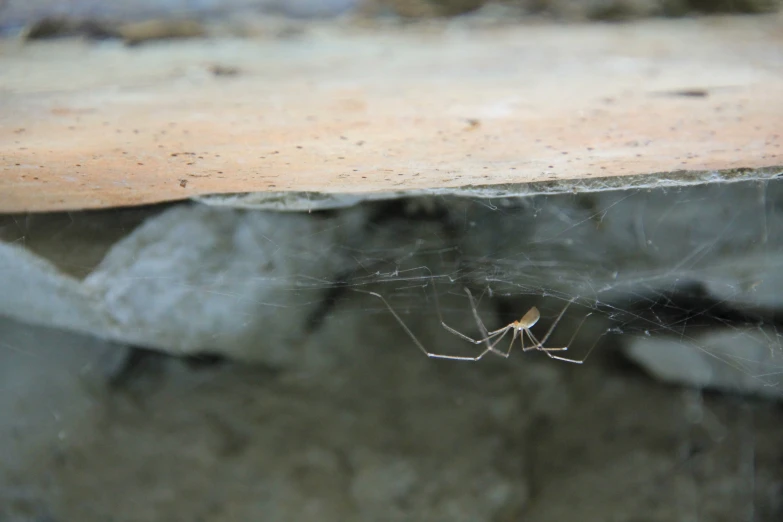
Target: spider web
[[677, 262], [683, 274], [673, 262]]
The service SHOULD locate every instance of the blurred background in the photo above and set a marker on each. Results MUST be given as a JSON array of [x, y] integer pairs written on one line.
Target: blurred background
[[52, 16]]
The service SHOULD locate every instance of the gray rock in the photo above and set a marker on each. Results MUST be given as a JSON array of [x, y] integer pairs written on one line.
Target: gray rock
[[731, 360], [259, 285]]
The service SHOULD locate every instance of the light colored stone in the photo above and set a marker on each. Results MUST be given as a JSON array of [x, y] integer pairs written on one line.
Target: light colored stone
[[437, 109], [194, 279], [736, 360]]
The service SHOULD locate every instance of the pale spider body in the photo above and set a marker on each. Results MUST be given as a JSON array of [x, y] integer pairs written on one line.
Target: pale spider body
[[520, 329], [528, 320]]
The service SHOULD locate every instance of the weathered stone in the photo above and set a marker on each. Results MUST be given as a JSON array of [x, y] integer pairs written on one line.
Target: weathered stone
[[257, 285], [735, 360]]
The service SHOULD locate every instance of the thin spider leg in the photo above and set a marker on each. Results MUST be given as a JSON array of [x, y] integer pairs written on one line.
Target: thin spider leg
[[537, 344], [490, 344], [488, 335], [492, 335], [566, 359], [483, 329], [499, 333], [552, 328], [415, 340], [479, 322], [507, 353], [583, 359], [474, 308], [457, 357], [399, 320], [491, 347]]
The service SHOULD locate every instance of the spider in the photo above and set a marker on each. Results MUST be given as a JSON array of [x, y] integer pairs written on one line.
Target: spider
[[521, 328]]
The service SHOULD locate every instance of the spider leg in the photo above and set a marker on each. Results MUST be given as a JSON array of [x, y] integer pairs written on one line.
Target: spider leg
[[492, 335], [479, 322], [565, 359], [537, 345], [420, 346], [399, 320], [575, 361], [507, 353], [552, 328], [505, 329], [489, 336], [474, 308], [491, 347]]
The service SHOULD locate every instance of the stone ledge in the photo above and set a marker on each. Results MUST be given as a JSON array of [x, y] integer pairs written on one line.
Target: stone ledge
[[344, 110]]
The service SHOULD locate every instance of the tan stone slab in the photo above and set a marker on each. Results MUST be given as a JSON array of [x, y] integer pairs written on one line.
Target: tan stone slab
[[90, 125]]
